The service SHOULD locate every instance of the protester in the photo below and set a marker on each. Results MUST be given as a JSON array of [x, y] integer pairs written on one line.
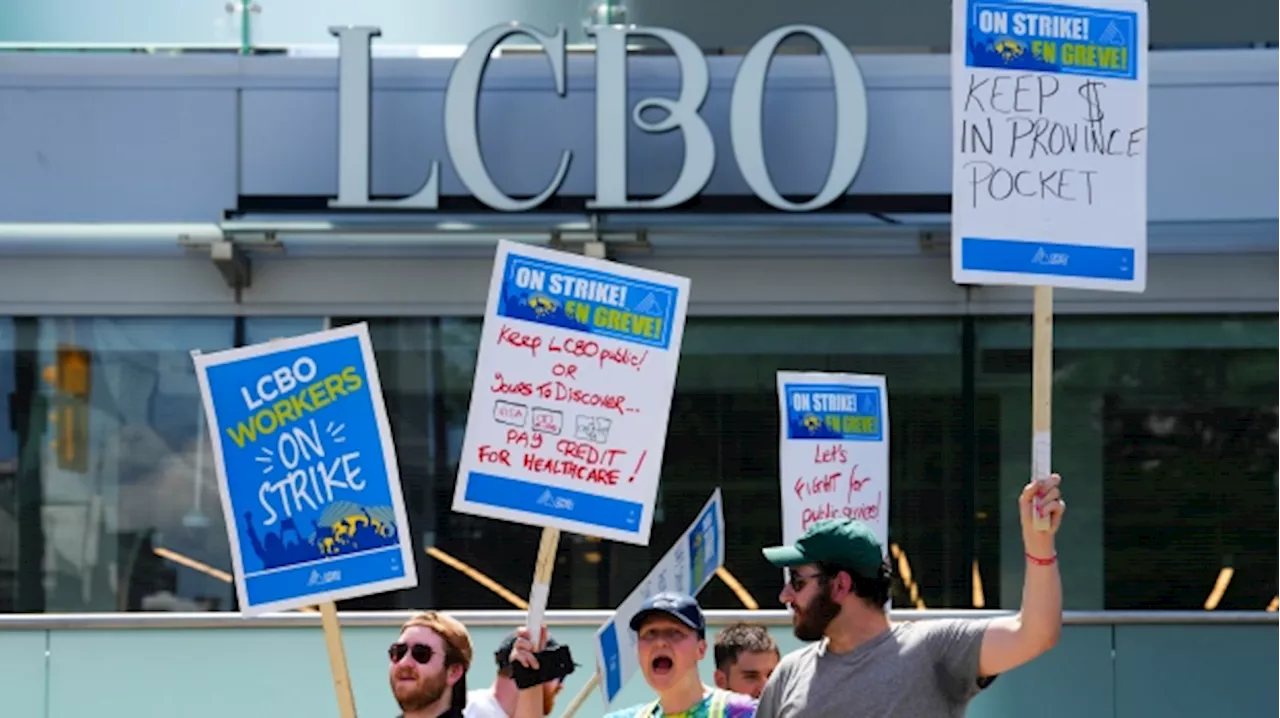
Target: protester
[[863, 665], [499, 699], [671, 639], [745, 658], [429, 663]]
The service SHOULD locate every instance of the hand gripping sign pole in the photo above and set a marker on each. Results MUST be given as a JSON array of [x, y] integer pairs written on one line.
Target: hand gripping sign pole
[[1049, 172]]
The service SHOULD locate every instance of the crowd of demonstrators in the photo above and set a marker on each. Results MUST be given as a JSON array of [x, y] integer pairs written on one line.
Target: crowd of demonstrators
[[857, 662]]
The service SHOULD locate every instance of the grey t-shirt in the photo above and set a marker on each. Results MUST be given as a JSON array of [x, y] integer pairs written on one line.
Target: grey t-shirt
[[921, 669]]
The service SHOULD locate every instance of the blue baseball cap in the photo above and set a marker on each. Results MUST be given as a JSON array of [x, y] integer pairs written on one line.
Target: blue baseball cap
[[679, 606]]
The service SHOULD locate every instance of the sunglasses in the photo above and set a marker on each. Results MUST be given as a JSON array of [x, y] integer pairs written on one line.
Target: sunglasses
[[421, 652], [798, 582]]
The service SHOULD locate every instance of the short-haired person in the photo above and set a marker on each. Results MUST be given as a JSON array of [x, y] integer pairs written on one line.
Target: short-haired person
[[671, 639], [499, 699], [429, 663], [745, 658], [861, 664]]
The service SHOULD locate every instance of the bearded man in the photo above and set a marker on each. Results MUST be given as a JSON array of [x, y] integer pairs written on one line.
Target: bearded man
[[429, 663], [863, 664]]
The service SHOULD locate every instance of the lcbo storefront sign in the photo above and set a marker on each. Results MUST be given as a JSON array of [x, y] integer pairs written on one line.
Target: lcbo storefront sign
[[611, 120]]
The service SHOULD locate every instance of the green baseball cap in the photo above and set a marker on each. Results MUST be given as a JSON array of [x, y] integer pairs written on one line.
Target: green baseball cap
[[847, 543]]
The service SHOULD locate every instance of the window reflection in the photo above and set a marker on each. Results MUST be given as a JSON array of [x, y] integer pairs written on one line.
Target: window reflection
[[136, 478], [724, 432], [8, 470], [1165, 434], [1165, 429]]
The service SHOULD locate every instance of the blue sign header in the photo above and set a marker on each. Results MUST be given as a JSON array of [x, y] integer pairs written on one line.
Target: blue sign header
[[1052, 38], [569, 297], [833, 412]]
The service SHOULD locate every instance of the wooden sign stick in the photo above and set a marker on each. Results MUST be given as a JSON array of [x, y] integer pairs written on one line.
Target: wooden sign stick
[[1042, 393], [337, 660], [581, 697], [541, 589]]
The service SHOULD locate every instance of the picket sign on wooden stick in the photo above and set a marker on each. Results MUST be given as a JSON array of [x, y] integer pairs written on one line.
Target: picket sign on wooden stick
[[576, 322], [250, 377], [1096, 241], [1042, 394]]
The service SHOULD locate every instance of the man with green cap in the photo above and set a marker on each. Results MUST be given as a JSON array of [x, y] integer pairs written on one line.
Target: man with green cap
[[862, 664]]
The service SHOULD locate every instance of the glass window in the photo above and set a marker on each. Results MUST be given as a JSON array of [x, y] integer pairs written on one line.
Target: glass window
[[108, 493], [724, 432], [115, 496], [1164, 432], [8, 469]]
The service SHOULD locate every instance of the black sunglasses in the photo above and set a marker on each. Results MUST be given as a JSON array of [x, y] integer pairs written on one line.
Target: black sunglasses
[[798, 582], [421, 652]]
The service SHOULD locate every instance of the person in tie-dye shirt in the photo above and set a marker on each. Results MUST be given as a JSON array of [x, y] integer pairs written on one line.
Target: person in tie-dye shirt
[[671, 638]]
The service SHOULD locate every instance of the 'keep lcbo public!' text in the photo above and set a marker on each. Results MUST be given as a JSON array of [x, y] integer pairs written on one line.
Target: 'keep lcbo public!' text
[[285, 408], [573, 348]]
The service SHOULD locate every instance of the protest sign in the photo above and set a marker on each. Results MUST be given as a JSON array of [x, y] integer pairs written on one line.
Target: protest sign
[[306, 470], [1049, 172], [686, 568], [572, 393], [1050, 125], [834, 450]]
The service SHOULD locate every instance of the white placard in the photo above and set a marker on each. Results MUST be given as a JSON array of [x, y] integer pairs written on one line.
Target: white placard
[[1049, 177], [686, 568], [834, 450], [572, 393]]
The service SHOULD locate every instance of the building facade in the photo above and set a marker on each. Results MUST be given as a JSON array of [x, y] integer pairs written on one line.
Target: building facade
[[153, 205]]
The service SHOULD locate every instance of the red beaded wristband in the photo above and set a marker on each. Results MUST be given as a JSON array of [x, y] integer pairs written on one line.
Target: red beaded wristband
[[1042, 561]]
